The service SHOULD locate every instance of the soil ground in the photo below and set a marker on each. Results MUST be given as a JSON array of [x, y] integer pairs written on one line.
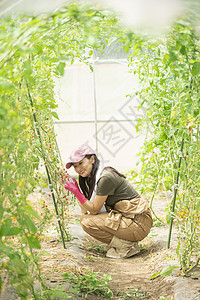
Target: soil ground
[[85, 253]]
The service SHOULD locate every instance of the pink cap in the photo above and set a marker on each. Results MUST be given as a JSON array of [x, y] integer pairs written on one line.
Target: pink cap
[[78, 154]]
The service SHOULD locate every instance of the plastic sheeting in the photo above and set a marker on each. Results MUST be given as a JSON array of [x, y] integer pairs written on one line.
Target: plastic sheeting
[[94, 108]]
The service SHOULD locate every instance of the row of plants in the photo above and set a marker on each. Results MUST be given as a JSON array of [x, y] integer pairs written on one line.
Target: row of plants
[[33, 51], [169, 73]]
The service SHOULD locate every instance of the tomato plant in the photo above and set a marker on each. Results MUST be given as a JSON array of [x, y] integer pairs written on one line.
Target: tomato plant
[[169, 72], [34, 50]]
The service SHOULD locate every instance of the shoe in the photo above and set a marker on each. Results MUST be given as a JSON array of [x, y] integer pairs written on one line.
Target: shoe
[[112, 253], [119, 248]]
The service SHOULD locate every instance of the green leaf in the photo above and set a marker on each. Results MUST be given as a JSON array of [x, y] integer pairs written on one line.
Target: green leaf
[[155, 275], [14, 231], [52, 105], [164, 272], [55, 115], [196, 68], [197, 203], [24, 285], [183, 50], [6, 85], [61, 68], [172, 57], [67, 275], [27, 67], [91, 68], [30, 225], [8, 251], [165, 58], [91, 52], [168, 218], [45, 253], [34, 242], [15, 264], [167, 270], [31, 211], [126, 48], [5, 227]]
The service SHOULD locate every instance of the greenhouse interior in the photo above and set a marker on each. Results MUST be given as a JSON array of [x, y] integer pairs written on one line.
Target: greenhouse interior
[[100, 149]]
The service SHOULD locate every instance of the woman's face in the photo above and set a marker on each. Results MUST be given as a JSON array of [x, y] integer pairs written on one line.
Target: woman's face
[[84, 167]]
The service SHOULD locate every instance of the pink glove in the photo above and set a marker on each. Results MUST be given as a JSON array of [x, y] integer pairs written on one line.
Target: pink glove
[[72, 186]]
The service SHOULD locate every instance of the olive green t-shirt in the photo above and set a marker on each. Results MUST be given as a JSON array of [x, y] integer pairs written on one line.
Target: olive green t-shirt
[[116, 187]]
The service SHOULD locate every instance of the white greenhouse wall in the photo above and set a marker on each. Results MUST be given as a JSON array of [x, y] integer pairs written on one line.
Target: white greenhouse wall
[[94, 108]]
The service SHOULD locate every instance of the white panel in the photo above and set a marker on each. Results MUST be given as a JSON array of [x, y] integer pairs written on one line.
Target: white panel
[[116, 141], [75, 94], [113, 84]]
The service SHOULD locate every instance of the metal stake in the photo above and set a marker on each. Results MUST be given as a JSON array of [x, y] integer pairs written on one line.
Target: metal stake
[[175, 192], [46, 168]]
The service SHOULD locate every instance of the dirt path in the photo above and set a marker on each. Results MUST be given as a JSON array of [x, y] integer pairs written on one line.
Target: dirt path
[[134, 272], [129, 276], [85, 253]]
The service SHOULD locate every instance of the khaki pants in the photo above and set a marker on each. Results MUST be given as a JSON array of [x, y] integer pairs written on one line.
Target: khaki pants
[[136, 231]]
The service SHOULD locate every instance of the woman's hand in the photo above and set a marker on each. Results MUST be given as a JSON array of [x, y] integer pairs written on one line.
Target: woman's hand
[[70, 184]]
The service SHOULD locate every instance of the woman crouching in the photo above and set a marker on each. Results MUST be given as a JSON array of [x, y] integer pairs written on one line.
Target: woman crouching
[[113, 212]]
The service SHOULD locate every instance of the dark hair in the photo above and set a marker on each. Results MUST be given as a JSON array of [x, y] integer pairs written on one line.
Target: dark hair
[[87, 184], [115, 171]]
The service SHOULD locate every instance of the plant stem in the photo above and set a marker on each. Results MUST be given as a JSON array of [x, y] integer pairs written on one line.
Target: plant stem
[[46, 167], [192, 268], [175, 192]]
